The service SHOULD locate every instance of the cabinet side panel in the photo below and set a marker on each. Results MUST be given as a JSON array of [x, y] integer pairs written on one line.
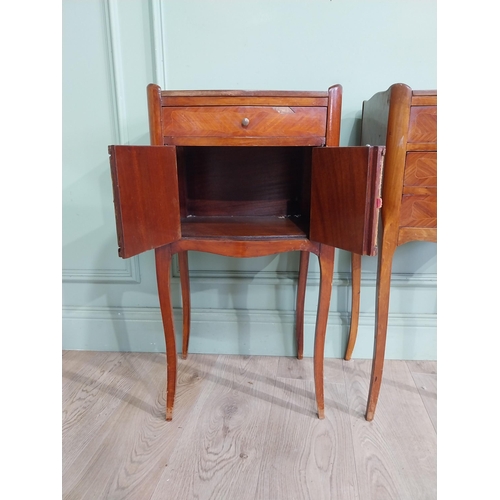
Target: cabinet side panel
[[375, 118], [334, 115], [154, 113]]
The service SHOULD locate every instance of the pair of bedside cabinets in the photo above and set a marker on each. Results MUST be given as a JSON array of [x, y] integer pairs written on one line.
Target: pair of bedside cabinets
[[254, 173]]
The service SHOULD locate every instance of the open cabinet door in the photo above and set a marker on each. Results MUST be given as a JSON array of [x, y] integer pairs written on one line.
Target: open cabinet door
[[346, 197], [146, 197]]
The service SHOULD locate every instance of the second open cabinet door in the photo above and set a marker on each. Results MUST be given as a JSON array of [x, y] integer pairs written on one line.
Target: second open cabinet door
[[146, 197], [346, 197]]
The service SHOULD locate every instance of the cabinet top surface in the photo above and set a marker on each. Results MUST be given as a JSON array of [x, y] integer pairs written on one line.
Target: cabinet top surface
[[242, 93], [424, 92]]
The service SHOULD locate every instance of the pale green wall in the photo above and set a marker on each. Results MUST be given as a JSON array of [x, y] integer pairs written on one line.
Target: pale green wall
[[113, 49]]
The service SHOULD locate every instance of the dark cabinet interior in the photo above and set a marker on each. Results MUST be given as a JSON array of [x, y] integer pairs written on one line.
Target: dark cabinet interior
[[244, 192]]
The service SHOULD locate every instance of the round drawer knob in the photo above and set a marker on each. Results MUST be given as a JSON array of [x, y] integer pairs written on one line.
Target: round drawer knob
[[245, 122]]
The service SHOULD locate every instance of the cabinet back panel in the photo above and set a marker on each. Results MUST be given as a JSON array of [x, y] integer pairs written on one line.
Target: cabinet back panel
[[246, 181]]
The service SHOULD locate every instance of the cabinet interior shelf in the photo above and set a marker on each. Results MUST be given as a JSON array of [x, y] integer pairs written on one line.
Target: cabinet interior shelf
[[243, 227]]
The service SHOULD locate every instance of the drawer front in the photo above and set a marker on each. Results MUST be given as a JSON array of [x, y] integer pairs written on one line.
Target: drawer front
[[418, 211], [421, 169], [243, 121], [423, 124]]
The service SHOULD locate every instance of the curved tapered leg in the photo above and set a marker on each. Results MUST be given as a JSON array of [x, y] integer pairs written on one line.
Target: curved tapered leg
[[326, 262], [301, 295], [186, 301], [163, 258], [386, 254], [356, 290]]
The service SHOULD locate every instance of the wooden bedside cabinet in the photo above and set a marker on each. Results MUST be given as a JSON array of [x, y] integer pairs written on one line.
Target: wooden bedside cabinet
[[405, 121], [245, 174]]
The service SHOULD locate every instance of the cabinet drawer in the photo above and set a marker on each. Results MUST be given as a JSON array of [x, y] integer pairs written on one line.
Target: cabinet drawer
[[418, 211], [423, 124], [421, 169], [242, 122]]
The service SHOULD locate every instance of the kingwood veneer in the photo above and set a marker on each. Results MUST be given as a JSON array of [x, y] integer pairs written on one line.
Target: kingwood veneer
[[245, 174]]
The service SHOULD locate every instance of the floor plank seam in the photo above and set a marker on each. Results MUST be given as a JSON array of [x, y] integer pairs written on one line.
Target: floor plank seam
[[243, 430], [422, 398], [352, 423]]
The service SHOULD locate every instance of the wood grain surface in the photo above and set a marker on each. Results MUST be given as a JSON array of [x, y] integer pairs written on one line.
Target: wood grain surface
[[146, 197], [418, 211], [228, 121], [241, 227], [346, 184], [245, 428], [423, 124], [390, 450], [421, 169], [246, 181]]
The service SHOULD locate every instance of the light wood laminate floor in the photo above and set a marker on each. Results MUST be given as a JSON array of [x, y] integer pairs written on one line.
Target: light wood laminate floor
[[245, 428]]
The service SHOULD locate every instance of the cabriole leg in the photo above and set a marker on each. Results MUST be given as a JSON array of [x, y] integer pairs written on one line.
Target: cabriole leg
[[186, 301], [386, 254], [163, 258], [356, 291], [301, 295], [326, 263]]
